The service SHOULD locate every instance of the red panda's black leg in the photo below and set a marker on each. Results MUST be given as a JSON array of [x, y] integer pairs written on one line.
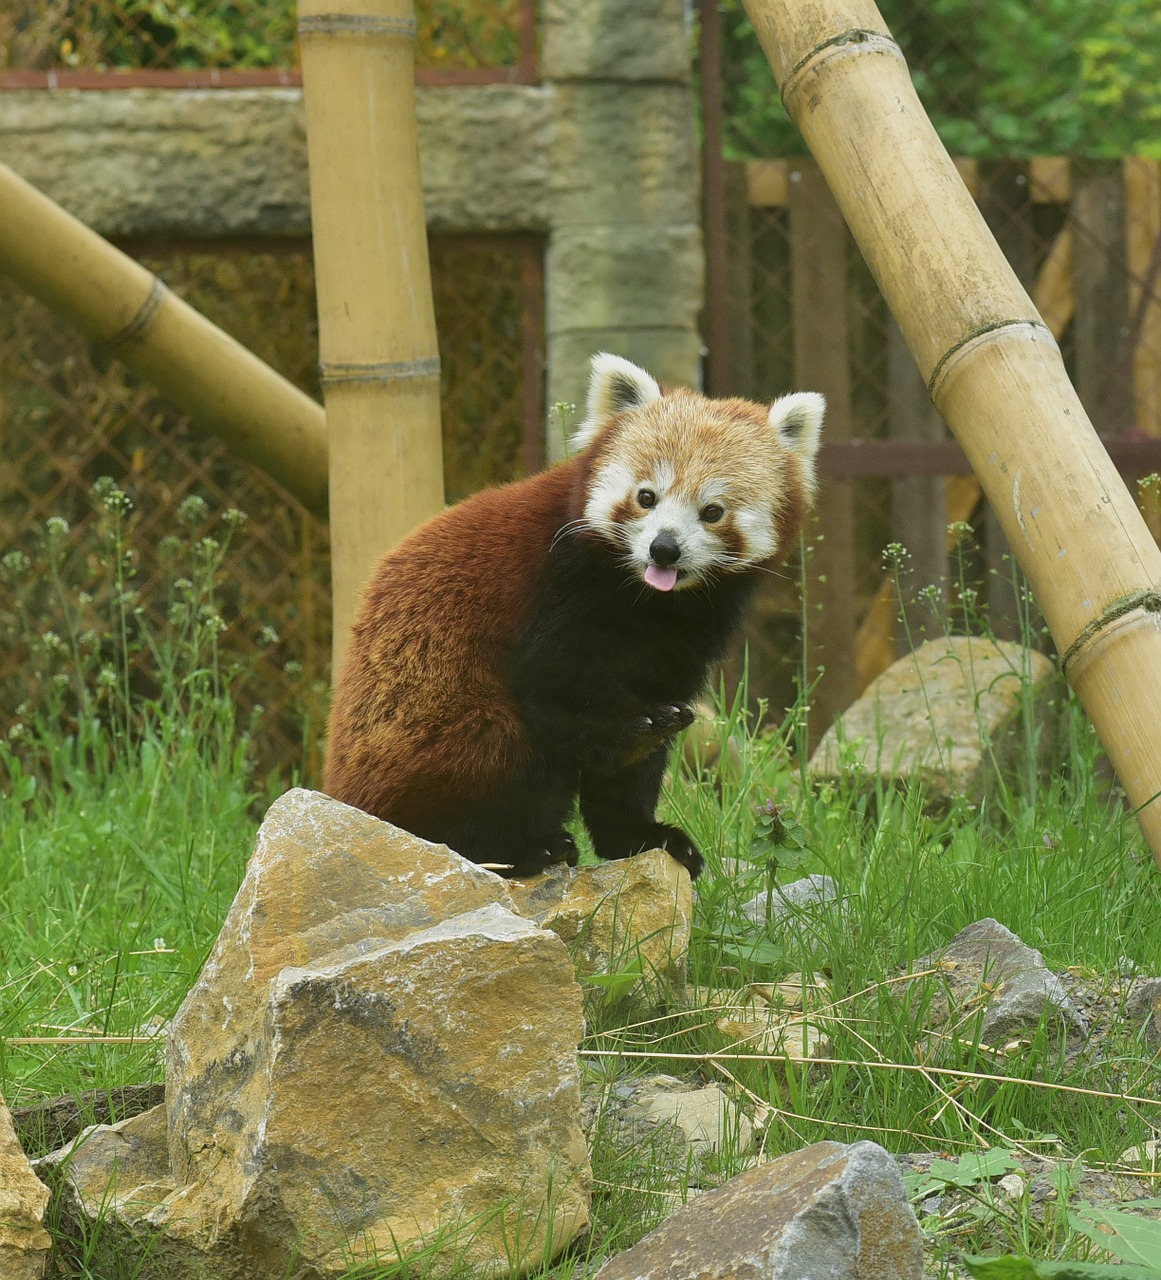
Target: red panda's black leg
[[617, 805], [520, 828]]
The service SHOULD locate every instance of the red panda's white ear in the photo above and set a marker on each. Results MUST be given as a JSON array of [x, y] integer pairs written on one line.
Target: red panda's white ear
[[798, 420], [615, 385]]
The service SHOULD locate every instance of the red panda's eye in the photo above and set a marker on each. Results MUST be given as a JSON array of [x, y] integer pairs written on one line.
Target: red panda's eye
[[646, 498], [712, 514]]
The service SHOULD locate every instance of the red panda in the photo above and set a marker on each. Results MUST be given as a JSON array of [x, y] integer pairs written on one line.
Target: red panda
[[543, 640]]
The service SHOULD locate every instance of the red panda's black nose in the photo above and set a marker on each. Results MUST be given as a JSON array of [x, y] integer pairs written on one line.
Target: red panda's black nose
[[664, 551]]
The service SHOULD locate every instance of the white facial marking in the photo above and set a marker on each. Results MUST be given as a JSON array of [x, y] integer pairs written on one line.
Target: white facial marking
[[609, 488], [757, 526]]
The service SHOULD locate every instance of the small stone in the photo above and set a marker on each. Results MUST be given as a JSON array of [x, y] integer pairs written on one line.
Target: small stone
[[24, 1243], [1143, 1007], [1147, 1155], [119, 1175], [1007, 982], [1012, 1185], [619, 914], [707, 1119], [795, 1038], [829, 1210], [938, 717], [799, 900]]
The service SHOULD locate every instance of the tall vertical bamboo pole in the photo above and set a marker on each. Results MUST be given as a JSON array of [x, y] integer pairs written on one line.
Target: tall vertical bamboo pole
[[377, 343], [992, 367]]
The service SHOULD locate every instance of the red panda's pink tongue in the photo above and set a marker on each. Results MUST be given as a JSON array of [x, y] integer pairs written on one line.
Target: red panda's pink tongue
[[662, 579]]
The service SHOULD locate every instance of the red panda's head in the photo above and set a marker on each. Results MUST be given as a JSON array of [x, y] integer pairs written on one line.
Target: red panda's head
[[686, 487]]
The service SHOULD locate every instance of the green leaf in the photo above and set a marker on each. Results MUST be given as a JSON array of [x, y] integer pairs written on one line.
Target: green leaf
[[975, 1167], [1011, 1267], [1125, 1235], [620, 982], [746, 946], [790, 859], [752, 950]]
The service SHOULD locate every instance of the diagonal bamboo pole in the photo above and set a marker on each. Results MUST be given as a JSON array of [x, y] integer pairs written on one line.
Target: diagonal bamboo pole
[[125, 309], [993, 368], [377, 340]]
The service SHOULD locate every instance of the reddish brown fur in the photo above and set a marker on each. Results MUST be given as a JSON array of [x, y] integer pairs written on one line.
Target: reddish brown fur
[[422, 718]]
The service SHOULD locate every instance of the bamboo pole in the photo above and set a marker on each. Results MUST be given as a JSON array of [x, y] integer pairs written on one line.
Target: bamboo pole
[[992, 366], [377, 340], [126, 310]]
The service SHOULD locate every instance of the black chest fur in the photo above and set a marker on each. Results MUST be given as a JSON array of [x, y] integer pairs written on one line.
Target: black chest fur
[[602, 644]]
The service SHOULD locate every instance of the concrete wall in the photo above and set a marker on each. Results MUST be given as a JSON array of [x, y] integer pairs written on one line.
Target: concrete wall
[[600, 157]]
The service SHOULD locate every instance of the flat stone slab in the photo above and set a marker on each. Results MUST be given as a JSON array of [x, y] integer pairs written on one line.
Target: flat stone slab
[[833, 1211], [706, 1119], [216, 162], [938, 717]]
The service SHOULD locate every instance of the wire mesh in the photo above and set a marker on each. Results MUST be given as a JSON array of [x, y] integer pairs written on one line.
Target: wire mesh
[[67, 422]]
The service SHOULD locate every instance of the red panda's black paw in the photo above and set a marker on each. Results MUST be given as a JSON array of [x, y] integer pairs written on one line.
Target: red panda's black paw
[[663, 721], [556, 849], [678, 845]]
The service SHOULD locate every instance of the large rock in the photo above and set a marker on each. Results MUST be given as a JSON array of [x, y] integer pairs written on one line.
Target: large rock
[[24, 1243], [323, 878], [618, 914], [938, 718], [833, 1211], [378, 1051], [992, 976]]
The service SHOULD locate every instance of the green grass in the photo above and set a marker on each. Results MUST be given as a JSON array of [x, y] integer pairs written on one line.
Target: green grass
[[126, 818]]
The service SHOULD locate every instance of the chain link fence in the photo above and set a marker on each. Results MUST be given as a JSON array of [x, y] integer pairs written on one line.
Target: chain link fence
[[69, 420]]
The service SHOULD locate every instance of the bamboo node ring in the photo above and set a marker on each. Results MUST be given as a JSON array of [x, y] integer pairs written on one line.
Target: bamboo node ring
[[355, 24], [1148, 601], [984, 331], [103, 352], [381, 371], [876, 42]]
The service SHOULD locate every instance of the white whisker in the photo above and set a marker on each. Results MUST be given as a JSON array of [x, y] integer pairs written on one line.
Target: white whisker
[[573, 526]]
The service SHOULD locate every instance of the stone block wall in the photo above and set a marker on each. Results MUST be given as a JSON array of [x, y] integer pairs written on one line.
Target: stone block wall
[[600, 158]]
